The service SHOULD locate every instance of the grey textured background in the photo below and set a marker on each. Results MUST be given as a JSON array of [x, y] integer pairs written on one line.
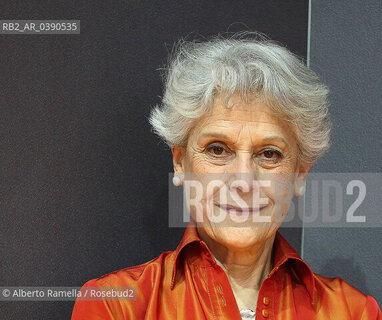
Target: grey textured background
[[346, 46], [84, 182]]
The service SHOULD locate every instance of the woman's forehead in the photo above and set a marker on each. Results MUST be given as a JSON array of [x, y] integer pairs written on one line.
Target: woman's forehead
[[242, 117], [237, 109], [244, 132], [254, 112], [252, 118]]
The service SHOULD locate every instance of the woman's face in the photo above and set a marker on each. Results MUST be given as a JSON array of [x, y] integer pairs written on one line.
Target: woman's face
[[245, 162]]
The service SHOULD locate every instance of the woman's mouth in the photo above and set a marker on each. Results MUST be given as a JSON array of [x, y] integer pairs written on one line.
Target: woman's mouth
[[235, 210]]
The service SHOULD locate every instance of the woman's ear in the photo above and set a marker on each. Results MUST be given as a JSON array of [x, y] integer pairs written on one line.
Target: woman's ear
[[178, 154], [300, 180]]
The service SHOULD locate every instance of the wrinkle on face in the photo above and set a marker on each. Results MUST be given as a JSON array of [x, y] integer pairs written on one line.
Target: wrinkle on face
[[245, 127], [245, 130]]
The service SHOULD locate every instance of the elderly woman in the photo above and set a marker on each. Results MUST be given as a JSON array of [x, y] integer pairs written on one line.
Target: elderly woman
[[249, 117]]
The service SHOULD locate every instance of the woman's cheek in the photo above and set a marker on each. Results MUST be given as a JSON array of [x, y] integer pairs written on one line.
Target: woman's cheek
[[200, 163]]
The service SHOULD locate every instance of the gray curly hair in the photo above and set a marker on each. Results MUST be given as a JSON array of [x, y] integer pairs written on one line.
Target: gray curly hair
[[197, 71]]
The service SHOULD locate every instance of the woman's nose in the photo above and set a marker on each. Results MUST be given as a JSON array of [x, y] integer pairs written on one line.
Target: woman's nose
[[243, 173]]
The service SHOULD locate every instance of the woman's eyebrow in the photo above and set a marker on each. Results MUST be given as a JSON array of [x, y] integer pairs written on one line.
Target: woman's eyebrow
[[278, 138]]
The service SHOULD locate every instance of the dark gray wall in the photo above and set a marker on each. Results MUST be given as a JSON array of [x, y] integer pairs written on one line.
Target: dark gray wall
[[83, 187], [346, 46]]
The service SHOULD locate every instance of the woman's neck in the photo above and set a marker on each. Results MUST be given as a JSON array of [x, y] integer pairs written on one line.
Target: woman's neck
[[245, 269]]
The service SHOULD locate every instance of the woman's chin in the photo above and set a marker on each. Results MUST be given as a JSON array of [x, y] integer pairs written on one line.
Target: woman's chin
[[240, 238]]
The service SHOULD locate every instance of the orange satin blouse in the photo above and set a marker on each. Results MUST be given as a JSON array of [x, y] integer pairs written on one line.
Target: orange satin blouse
[[187, 284]]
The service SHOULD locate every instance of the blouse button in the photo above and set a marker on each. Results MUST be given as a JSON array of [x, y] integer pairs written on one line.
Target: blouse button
[[265, 313], [266, 301]]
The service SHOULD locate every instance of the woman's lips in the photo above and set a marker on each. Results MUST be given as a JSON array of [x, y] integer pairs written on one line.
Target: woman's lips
[[239, 211]]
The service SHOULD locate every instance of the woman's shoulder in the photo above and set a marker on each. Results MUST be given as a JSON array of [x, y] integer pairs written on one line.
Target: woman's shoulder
[[337, 288], [141, 281], [338, 285], [135, 275]]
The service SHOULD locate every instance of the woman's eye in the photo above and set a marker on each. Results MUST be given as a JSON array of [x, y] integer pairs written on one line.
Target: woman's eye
[[272, 155], [217, 150]]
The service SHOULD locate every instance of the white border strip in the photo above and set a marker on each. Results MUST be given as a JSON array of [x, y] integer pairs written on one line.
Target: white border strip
[[309, 31]]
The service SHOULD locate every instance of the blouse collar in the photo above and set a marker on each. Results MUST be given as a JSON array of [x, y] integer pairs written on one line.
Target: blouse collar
[[282, 250]]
